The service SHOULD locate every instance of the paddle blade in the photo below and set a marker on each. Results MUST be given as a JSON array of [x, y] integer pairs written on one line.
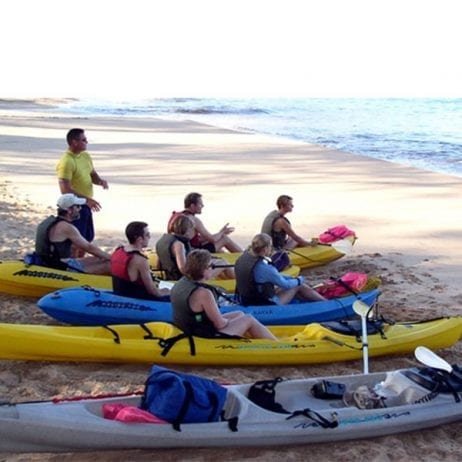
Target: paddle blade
[[343, 246], [430, 359], [359, 307]]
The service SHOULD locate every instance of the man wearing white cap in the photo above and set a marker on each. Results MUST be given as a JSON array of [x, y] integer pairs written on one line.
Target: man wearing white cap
[[56, 235]]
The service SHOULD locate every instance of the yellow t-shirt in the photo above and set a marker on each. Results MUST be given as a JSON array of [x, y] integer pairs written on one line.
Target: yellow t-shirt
[[77, 168]]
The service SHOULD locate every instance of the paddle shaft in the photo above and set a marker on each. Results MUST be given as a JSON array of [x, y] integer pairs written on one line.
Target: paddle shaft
[[365, 345]]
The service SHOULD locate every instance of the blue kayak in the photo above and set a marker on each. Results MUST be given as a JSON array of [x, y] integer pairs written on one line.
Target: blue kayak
[[91, 307]]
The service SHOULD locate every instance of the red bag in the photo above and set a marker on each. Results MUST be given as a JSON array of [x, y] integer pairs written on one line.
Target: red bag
[[335, 233], [339, 288], [128, 414]]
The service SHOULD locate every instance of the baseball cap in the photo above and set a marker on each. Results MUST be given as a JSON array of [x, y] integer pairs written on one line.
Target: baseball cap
[[68, 200]]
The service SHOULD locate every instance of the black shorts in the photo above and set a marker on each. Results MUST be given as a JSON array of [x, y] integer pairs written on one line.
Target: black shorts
[[210, 246]]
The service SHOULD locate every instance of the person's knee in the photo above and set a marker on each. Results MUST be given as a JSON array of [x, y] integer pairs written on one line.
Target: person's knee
[[249, 320]]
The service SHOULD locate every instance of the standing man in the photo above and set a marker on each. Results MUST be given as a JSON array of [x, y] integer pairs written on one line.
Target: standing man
[[204, 239], [77, 175], [279, 228]]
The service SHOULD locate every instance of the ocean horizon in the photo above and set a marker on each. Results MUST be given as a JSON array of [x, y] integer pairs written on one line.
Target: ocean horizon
[[421, 132]]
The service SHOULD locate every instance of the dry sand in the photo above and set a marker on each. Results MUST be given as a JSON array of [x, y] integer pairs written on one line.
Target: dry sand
[[406, 219]]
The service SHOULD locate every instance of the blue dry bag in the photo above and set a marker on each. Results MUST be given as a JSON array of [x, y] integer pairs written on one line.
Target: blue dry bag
[[182, 398]]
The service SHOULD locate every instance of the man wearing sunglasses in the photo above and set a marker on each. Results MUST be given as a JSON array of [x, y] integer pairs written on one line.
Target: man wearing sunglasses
[[77, 175]]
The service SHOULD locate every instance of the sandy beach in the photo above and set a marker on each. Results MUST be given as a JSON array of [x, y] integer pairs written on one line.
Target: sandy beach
[[407, 221]]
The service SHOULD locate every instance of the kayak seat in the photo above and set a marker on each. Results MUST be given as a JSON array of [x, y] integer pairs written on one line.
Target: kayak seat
[[164, 330], [353, 327], [263, 394], [435, 380]]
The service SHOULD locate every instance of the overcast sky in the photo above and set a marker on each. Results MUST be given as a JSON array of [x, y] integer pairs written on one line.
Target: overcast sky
[[238, 48]]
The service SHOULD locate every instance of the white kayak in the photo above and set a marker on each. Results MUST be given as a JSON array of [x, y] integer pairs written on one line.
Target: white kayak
[[345, 407]]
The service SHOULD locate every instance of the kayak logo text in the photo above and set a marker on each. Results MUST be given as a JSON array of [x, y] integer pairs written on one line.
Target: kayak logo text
[[44, 274]]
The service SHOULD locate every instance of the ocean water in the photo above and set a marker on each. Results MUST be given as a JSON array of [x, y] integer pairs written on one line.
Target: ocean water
[[424, 133]]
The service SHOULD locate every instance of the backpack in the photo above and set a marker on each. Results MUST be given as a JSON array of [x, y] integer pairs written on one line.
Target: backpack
[[182, 398]]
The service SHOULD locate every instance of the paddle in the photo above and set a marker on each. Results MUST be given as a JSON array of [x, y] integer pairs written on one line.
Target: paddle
[[430, 359], [362, 309]]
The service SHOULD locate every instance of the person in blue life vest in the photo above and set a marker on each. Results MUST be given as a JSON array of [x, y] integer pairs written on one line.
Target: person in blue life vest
[[195, 309], [279, 228], [131, 274], [56, 234], [258, 282]]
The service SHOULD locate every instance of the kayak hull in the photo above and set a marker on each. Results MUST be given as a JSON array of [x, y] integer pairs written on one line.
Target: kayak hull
[[78, 425], [86, 306], [303, 257], [148, 343], [17, 278]]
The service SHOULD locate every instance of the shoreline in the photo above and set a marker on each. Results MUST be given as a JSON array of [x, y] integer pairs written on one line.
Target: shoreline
[[173, 158], [57, 104], [406, 220]]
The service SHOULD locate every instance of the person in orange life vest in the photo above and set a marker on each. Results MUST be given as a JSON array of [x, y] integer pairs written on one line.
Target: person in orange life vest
[[279, 228], [130, 270], [77, 175], [56, 235], [204, 239]]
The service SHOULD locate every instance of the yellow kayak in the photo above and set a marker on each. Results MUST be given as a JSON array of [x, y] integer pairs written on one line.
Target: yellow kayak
[[314, 343], [304, 257], [17, 278]]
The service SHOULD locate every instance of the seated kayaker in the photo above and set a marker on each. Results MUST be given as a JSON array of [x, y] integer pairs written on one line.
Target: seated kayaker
[[195, 309], [279, 228], [172, 249], [258, 282], [131, 275], [202, 238], [56, 235]]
